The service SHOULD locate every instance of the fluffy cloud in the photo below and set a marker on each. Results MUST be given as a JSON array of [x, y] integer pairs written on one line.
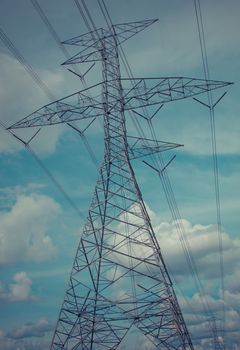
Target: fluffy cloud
[[8, 195], [23, 233], [31, 336], [20, 290], [204, 245], [203, 242], [175, 236], [200, 325], [29, 330]]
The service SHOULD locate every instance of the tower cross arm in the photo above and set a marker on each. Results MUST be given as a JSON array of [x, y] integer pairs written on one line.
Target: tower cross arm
[[93, 42], [123, 31], [141, 92], [77, 106], [142, 147]]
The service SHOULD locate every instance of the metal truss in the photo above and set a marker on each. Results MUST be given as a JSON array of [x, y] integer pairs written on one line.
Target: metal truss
[[144, 92], [77, 106], [119, 280], [142, 147]]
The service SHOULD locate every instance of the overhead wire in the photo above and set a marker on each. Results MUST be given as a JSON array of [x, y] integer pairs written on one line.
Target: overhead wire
[[76, 1], [168, 192], [28, 68], [165, 180], [57, 39], [83, 15], [204, 55], [129, 72], [55, 36], [108, 21], [123, 194], [181, 231], [45, 169], [126, 64], [128, 69], [88, 14], [47, 91]]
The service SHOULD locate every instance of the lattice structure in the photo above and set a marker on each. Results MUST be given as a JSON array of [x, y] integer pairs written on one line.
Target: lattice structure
[[119, 282]]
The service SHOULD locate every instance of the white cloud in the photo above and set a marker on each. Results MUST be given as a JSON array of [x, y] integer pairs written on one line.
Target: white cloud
[[30, 336], [199, 324], [23, 233], [28, 330], [173, 238], [204, 244], [8, 195], [233, 282], [20, 290]]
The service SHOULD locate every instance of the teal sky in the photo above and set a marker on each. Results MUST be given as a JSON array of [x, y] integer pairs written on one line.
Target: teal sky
[[39, 230]]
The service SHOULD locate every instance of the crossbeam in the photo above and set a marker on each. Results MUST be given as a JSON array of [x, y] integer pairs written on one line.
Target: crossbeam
[[137, 93]]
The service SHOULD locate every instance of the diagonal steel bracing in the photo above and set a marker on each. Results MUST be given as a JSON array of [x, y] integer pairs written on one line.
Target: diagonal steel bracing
[[119, 280]]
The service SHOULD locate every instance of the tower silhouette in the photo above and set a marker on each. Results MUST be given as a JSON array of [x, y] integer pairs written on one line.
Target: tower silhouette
[[119, 282]]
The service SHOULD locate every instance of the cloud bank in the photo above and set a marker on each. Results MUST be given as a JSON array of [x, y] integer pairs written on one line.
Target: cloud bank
[[24, 230], [18, 291]]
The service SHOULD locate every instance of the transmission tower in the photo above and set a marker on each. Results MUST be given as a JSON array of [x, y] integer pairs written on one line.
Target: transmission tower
[[119, 282]]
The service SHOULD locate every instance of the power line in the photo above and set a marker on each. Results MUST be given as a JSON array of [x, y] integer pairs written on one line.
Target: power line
[[16, 54], [166, 184], [57, 39], [45, 169], [170, 196], [55, 36], [116, 183], [92, 23], [204, 55], [28, 68]]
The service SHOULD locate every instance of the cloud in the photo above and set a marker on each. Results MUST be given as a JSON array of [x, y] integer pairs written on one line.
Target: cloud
[[233, 282], [28, 330], [204, 249], [30, 336], [174, 238], [8, 195], [20, 290], [204, 244], [200, 324], [23, 233]]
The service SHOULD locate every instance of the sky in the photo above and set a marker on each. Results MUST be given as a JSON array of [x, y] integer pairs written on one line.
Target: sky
[[40, 229]]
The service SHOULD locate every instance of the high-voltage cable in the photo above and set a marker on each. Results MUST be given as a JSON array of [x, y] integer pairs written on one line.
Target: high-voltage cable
[[211, 105], [165, 182]]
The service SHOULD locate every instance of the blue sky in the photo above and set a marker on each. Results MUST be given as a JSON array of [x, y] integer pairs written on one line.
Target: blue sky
[[39, 230]]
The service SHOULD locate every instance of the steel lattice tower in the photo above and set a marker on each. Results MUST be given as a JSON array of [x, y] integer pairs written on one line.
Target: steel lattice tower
[[119, 281]]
